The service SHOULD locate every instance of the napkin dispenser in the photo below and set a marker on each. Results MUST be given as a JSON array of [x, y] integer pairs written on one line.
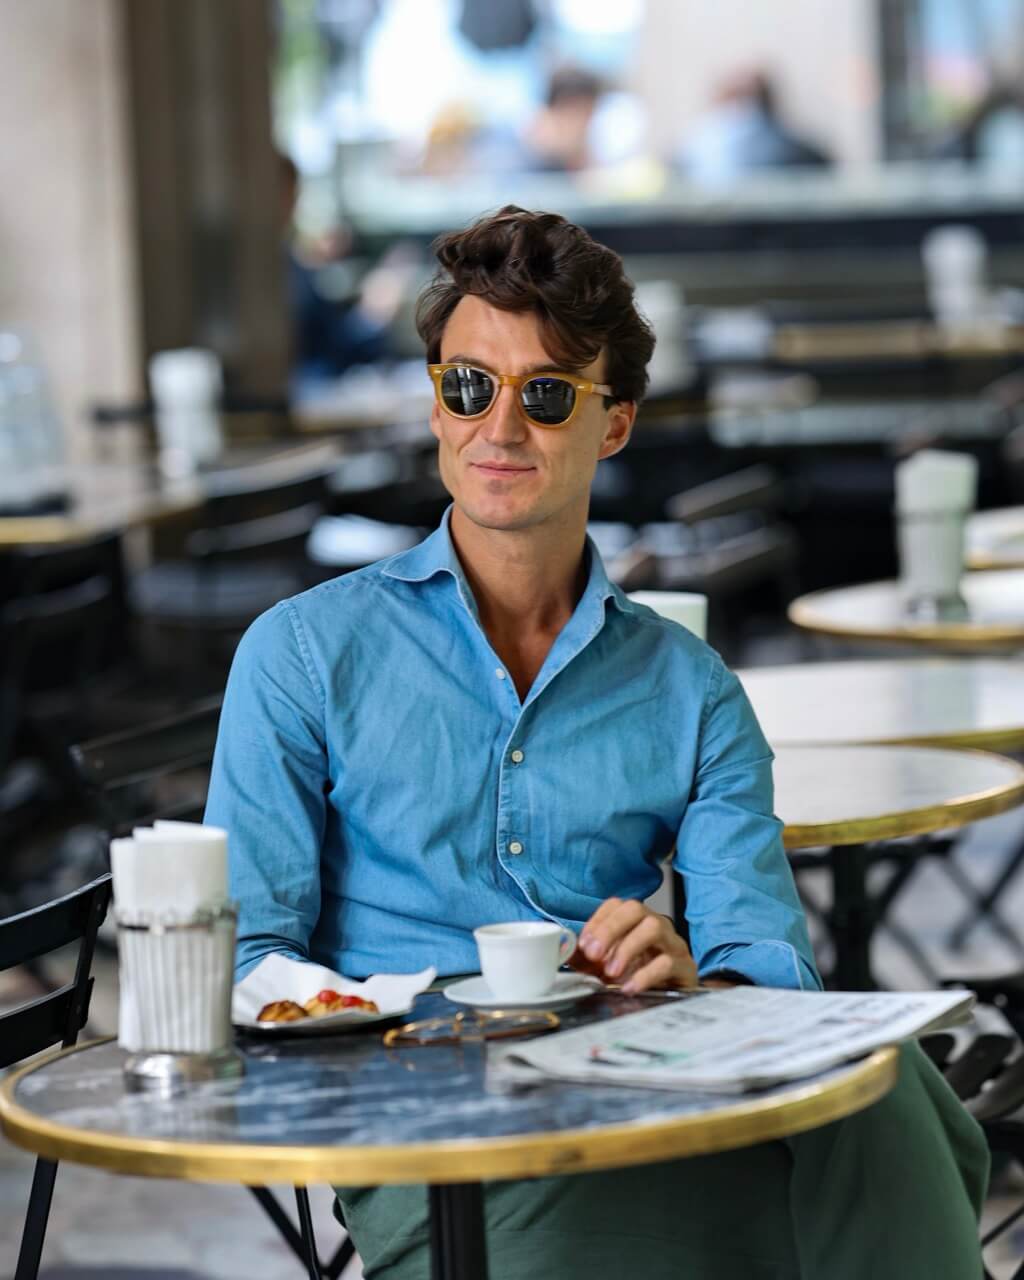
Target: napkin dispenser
[[176, 948], [935, 492]]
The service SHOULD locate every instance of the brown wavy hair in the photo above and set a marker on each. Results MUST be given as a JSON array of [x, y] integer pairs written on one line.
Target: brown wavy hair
[[540, 262]]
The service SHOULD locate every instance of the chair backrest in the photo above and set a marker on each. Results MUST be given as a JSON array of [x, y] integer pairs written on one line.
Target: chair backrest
[[246, 519], [58, 1016], [55, 642], [160, 770]]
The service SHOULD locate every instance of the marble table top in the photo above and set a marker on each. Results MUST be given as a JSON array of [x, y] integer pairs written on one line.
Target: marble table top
[[343, 1108], [877, 611], [955, 702], [833, 795]]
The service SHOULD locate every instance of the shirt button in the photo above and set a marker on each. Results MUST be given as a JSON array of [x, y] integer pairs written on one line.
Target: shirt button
[[515, 847], [499, 673], [517, 757]]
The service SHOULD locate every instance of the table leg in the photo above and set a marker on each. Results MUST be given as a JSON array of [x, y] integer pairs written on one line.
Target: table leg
[[308, 1238], [853, 919], [458, 1245]]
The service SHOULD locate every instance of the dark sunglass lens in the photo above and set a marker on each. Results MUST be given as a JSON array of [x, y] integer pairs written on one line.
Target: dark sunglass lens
[[466, 391], [549, 401]]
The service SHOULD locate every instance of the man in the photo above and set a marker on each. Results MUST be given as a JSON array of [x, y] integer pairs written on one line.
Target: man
[[484, 729]]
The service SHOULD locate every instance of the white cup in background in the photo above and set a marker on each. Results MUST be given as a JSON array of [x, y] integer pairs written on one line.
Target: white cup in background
[[689, 608], [519, 960]]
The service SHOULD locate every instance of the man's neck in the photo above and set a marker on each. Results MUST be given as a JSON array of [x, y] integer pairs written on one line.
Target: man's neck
[[526, 584]]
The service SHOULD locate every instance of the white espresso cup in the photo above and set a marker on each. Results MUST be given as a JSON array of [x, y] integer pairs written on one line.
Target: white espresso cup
[[519, 960]]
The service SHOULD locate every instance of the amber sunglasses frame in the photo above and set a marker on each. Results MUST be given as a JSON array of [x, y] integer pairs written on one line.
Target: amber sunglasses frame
[[582, 386]]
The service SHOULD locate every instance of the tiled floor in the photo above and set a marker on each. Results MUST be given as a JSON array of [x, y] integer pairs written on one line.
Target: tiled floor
[[105, 1223]]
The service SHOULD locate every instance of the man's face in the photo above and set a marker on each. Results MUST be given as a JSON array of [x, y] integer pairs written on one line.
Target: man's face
[[505, 472]]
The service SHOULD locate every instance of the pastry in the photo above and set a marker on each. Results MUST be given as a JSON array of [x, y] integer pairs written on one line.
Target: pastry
[[281, 1011], [327, 1001]]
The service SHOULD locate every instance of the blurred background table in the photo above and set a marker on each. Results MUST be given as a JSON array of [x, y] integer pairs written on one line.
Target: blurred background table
[[842, 799], [995, 539], [876, 611], [947, 702], [109, 497]]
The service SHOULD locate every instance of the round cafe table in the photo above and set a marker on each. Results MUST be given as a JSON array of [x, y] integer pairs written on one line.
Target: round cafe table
[[941, 702], [876, 611], [844, 799], [345, 1110], [995, 539]]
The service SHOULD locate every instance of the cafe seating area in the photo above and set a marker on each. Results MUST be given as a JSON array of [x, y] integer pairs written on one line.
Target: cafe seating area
[[226, 405]]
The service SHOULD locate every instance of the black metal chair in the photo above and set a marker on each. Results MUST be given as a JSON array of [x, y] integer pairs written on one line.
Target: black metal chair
[[54, 1018], [68, 670], [725, 539], [987, 1075], [248, 553], [161, 770]]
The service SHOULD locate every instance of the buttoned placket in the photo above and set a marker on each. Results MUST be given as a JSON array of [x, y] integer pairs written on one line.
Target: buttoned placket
[[512, 839]]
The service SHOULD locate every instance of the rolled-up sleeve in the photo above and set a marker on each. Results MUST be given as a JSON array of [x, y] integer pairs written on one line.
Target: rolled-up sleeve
[[742, 906], [267, 788]]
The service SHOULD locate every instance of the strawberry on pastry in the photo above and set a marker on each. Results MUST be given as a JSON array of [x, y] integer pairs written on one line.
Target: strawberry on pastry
[[327, 1001]]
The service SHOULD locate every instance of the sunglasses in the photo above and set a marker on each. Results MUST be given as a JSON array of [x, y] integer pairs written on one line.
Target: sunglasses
[[547, 399]]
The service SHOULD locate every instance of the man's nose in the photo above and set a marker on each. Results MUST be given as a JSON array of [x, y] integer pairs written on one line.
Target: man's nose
[[503, 423]]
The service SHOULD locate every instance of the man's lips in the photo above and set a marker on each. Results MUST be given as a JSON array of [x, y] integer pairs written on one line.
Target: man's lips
[[501, 469]]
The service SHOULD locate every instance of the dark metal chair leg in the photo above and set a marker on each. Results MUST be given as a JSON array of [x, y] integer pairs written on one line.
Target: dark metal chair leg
[[35, 1220], [268, 1203], [343, 1255], [308, 1238], [458, 1245], [984, 903]]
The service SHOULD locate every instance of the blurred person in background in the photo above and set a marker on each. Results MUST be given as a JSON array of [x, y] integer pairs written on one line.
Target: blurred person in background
[[557, 139], [992, 132], [742, 133], [329, 335]]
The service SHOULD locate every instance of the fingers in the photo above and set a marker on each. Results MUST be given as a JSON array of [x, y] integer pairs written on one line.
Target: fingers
[[613, 918], [664, 970], [644, 935], [624, 941]]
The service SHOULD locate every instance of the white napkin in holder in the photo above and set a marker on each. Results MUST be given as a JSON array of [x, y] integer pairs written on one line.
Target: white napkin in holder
[[935, 492], [176, 944]]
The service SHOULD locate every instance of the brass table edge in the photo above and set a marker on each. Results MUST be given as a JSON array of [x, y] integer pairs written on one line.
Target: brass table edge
[[957, 812], [456, 1160], [970, 636], [984, 561], [990, 741]]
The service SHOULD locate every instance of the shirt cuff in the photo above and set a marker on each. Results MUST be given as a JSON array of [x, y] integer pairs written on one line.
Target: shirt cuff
[[766, 964]]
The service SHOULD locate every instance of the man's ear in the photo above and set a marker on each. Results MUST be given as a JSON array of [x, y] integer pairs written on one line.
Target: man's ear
[[435, 420], [618, 427]]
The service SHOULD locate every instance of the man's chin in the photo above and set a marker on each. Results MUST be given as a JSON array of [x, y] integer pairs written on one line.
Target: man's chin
[[498, 516]]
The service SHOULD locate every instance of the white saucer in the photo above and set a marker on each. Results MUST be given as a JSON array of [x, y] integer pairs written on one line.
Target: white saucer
[[566, 988]]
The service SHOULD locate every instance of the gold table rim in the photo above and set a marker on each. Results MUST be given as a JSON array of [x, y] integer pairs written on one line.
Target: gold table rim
[[957, 812], [969, 636], [456, 1160], [984, 560]]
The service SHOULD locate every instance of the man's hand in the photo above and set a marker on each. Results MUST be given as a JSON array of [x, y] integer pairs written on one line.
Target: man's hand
[[625, 942]]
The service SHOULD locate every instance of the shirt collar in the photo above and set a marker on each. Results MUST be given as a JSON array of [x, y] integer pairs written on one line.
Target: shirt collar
[[436, 554]]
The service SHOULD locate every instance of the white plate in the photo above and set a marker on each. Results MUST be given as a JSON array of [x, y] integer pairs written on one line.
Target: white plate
[[566, 988], [349, 1019]]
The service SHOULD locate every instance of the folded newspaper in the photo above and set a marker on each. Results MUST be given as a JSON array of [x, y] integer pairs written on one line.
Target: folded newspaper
[[735, 1040]]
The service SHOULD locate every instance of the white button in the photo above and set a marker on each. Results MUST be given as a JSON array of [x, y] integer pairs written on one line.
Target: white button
[[517, 757], [499, 673], [515, 847]]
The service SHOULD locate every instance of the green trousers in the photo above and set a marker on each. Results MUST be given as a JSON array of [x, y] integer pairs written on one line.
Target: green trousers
[[892, 1193]]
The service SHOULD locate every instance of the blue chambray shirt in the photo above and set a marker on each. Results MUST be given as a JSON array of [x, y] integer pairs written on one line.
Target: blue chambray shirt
[[386, 791]]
